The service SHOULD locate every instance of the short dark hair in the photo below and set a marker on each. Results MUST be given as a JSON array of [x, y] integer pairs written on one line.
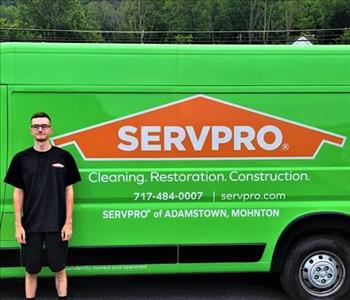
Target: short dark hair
[[40, 115]]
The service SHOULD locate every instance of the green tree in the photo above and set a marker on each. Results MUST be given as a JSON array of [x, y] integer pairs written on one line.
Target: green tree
[[345, 37], [139, 15], [57, 14], [172, 16], [12, 25], [103, 14], [336, 13]]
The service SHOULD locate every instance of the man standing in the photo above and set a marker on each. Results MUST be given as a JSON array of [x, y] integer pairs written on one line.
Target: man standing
[[43, 178]]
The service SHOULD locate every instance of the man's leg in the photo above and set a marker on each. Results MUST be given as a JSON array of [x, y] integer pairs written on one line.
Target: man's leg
[[31, 282], [31, 259], [57, 254], [61, 283]]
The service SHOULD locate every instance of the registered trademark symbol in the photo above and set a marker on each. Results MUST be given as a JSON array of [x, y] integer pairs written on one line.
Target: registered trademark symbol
[[285, 147]]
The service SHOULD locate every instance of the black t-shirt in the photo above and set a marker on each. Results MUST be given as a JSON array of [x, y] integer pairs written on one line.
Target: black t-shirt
[[43, 176]]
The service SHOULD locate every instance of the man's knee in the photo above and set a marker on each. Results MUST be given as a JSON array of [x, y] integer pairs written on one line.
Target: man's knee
[[33, 270], [61, 274], [31, 275]]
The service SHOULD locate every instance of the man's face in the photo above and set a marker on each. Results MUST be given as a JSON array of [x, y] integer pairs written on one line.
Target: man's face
[[41, 129]]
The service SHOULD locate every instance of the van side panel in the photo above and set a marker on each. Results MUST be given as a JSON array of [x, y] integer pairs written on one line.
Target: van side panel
[[223, 211], [128, 204]]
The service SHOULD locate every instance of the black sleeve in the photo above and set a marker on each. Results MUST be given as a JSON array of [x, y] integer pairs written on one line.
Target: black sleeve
[[72, 175], [14, 173]]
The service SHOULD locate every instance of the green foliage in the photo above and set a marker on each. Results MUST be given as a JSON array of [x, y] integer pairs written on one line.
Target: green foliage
[[177, 17], [337, 13], [345, 38], [8, 2], [103, 14], [10, 18], [53, 14], [184, 39]]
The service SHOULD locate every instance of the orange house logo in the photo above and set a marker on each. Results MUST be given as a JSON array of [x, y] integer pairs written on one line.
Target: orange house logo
[[199, 127]]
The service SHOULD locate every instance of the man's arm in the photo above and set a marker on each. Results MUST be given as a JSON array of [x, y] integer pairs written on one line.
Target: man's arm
[[67, 229], [18, 196]]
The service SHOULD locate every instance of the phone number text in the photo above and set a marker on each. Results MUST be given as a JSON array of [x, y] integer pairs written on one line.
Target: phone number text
[[167, 196]]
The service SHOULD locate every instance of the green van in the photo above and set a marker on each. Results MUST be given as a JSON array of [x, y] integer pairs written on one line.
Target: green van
[[194, 158]]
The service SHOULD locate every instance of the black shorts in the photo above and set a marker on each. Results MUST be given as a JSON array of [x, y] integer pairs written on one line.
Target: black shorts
[[33, 252]]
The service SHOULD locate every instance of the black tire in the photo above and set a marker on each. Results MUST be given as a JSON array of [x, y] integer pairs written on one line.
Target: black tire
[[317, 267]]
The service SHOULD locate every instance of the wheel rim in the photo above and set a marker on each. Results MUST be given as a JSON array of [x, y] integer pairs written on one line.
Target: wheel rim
[[322, 273]]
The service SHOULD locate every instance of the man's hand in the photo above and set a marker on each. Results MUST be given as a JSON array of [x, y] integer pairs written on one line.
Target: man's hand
[[66, 232], [20, 234]]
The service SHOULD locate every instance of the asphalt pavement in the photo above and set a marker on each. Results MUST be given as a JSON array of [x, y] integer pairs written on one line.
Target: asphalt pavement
[[194, 286]]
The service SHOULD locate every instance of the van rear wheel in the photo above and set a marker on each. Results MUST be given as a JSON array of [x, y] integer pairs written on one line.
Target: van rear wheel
[[317, 267]]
